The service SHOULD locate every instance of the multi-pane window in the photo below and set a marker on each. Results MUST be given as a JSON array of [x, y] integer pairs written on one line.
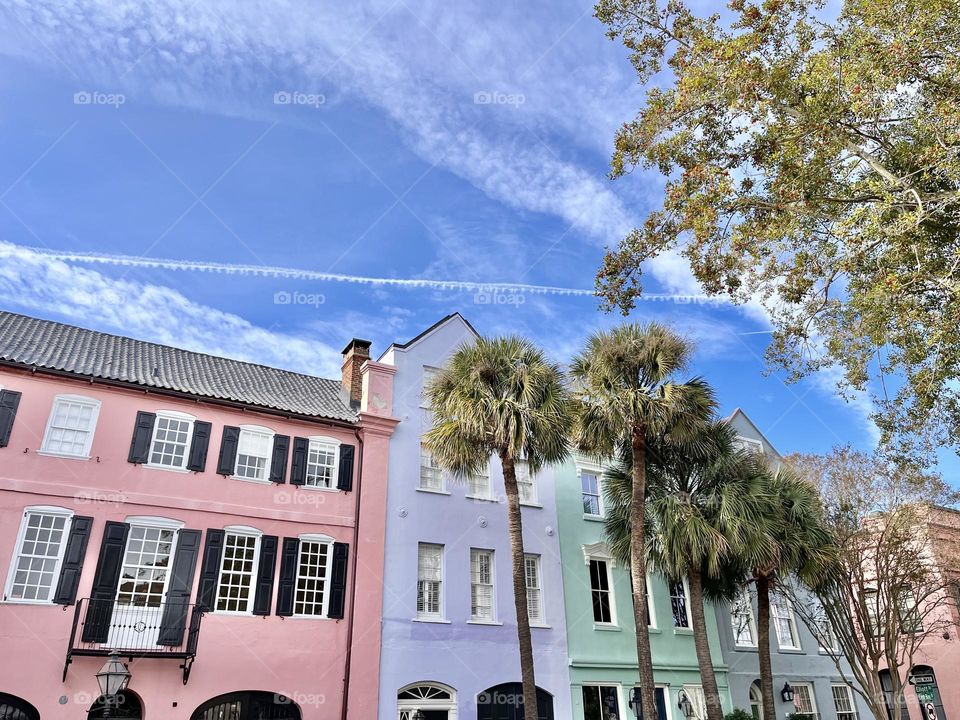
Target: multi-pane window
[[744, 624], [803, 701], [526, 486], [825, 635], [871, 599], [481, 585], [237, 570], [254, 452], [171, 441], [146, 564], [531, 572], [601, 702], [36, 566], [429, 581], [748, 445], [843, 701], [480, 484], [590, 493], [429, 375], [907, 611], [313, 568], [679, 604], [698, 700], [322, 460], [781, 613], [71, 426], [431, 476], [600, 591]]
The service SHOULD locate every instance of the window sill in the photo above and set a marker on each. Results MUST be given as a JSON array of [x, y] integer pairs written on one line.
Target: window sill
[[790, 650], [439, 621], [607, 627], [253, 480], [15, 601], [315, 488], [594, 518], [482, 498], [303, 617], [484, 622], [531, 505], [746, 648], [433, 492], [537, 626], [150, 466], [237, 613], [62, 456], [682, 631]]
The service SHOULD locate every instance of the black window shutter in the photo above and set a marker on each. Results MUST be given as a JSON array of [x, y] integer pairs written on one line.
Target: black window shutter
[[278, 463], [177, 601], [265, 571], [73, 556], [298, 468], [345, 474], [142, 435], [9, 402], [105, 579], [197, 460], [338, 581], [288, 576], [228, 450], [210, 569]]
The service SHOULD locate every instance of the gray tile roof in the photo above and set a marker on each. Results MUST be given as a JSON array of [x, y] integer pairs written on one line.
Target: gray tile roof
[[87, 353]]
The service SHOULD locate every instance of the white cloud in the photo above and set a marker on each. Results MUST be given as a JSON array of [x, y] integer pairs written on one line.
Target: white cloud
[[37, 283]]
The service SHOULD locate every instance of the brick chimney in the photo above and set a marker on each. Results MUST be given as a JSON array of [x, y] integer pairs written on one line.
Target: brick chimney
[[355, 354]]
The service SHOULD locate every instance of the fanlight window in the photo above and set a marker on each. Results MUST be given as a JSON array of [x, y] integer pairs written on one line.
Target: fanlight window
[[437, 701], [424, 692]]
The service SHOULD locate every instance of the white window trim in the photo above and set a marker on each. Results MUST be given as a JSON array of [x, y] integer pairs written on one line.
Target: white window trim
[[442, 490], [328, 541], [795, 632], [622, 708], [410, 705], [687, 687], [689, 608], [752, 623], [493, 589], [851, 697], [173, 415], [326, 439], [535, 489], [247, 531], [474, 496], [426, 371], [21, 533], [236, 460], [542, 623], [751, 444], [813, 698], [593, 469], [612, 592], [440, 617], [154, 521], [81, 399]]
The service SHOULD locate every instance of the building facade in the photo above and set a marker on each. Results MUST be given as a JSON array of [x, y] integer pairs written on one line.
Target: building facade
[[449, 647], [819, 690], [601, 634], [218, 524]]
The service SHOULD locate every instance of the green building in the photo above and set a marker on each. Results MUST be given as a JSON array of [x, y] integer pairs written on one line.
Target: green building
[[600, 629]]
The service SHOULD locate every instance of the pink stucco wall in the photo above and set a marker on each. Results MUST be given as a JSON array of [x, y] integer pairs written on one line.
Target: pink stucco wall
[[301, 658]]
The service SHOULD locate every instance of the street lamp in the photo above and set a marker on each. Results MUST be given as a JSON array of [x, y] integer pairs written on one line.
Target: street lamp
[[636, 703], [112, 678], [787, 693], [685, 705]]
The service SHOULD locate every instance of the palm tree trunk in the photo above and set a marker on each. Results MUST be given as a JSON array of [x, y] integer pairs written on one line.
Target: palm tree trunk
[[515, 526], [701, 642], [763, 646], [638, 570]]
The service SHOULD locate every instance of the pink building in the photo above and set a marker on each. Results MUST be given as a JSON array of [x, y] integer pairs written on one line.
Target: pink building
[[220, 524]]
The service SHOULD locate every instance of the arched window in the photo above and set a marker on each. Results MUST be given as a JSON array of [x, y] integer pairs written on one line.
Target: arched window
[[434, 700], [505, 702], [756, 701], [248, 705], [14, 708]]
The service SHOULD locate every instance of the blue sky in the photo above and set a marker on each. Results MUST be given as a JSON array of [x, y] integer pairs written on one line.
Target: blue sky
[[420, 141]]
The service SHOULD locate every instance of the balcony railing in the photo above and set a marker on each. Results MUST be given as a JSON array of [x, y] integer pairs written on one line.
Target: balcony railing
[[168, 630]]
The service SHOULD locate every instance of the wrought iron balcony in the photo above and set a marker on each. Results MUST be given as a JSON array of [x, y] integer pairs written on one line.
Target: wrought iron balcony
[[168, 630]]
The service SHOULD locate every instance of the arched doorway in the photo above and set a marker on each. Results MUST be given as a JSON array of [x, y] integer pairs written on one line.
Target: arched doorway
[[924, 682], [248, 705], [14, 708], [505, 702], [435, 700], [756, 701], [125, 704], [887, 684]]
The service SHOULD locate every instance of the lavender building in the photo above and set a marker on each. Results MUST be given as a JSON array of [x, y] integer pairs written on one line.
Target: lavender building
[[449, 642]]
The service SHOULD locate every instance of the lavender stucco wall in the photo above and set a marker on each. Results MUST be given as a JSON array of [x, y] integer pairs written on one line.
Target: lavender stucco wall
[[467, 657]]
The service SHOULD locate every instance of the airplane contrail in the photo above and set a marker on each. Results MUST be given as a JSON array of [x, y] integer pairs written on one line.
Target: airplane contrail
[[303, 274]]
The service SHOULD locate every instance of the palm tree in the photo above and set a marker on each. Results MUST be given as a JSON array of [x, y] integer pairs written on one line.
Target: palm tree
[[703, 496], [627, 393], [501, 396], [791, 540]]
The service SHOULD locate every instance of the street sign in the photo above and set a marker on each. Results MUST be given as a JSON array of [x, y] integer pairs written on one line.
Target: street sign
[[925, 693], [921, 680]]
